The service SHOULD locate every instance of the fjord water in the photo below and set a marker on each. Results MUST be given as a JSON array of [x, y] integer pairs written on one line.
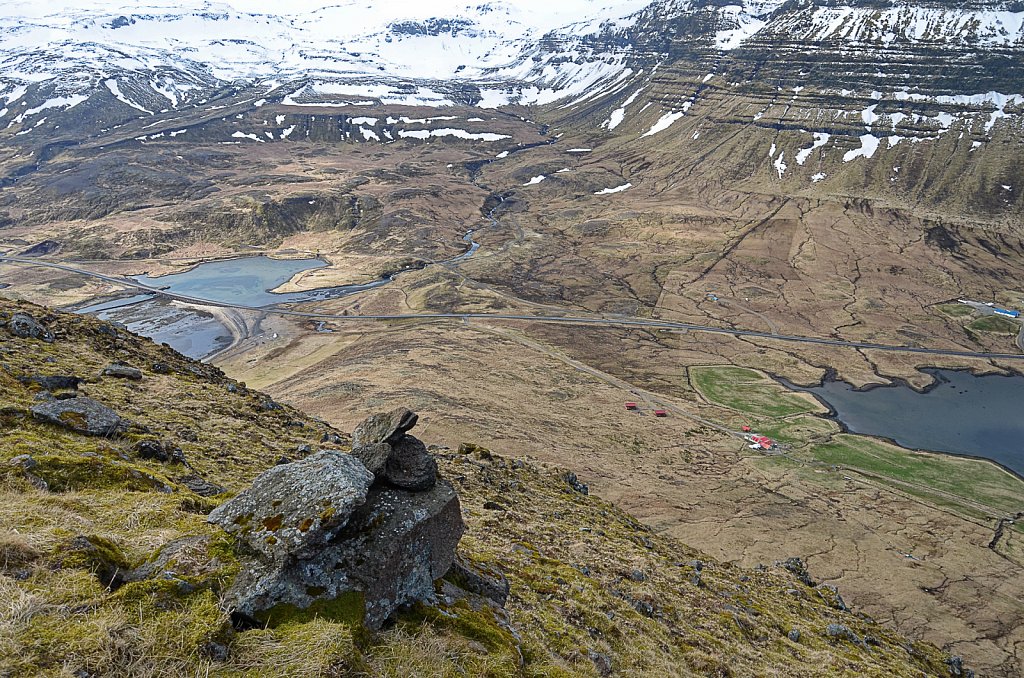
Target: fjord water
[[980, 416]]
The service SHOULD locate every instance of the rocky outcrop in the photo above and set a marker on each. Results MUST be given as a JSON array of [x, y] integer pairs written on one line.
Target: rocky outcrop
[[81, 415], [25, 326], [327, 532]]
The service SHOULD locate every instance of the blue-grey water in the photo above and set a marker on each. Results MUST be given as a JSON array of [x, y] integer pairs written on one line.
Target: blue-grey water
[[186, 330], [248, 281], [980, 416]]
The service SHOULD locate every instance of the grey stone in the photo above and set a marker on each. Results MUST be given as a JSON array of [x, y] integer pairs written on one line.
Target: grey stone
[[479, 579], [25, 461], [842, 632], [373, 455], [25, 326], [384, 427], [201, 486], [293, 510], [572, 481], [152, 449], [122, 372], [82, 415], [794, 635], [410, 466], [830, 594], [391, 550], [798, 568], [160, 368], [53, 383], [602, 662], [638, 576]]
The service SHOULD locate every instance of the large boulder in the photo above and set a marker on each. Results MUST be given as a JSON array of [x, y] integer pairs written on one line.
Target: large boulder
[[25, 326], [391, 552], [81, 415], [292, 510]]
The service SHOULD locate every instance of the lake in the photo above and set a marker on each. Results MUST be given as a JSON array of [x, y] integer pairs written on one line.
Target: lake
[[248, 281], [979, 416]]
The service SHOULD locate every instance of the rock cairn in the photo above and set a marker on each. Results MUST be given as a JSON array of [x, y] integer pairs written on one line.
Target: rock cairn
[[372, 529]]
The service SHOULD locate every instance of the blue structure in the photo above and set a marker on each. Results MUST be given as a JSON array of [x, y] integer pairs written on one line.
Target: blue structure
[[1008, 314]]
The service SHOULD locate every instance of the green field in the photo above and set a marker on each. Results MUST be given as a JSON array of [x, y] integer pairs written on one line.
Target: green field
[[749, 391], [956, 310], [996, 324], [934, 475]]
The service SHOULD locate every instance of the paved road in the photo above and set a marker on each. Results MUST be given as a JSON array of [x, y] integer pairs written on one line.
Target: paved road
[[562, 320]]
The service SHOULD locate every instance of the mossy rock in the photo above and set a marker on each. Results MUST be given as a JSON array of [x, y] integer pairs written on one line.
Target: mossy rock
[[67, 473]]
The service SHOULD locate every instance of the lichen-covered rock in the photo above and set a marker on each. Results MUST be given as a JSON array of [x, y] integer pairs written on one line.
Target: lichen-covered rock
[[373, 455], [82, 415], [25, 326], [410, 466], [292, 510], [122, 372], [384, 427], [391, 551]]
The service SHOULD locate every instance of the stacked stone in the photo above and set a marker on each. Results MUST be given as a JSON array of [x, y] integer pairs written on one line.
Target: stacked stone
[[377, 522]]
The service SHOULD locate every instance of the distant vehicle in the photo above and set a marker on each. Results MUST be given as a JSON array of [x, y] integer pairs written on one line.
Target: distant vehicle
[[631, 406], [660, 413], [746, 429]]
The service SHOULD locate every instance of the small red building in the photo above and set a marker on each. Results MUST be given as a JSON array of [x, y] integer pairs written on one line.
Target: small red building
[[746, 429], [630, 406], [660, 413]]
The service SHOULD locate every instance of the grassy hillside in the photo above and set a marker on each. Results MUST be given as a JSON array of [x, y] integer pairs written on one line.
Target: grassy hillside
[[593, 592]]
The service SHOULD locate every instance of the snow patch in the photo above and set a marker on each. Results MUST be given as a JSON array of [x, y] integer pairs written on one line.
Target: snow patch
[[820, 139], [868, 146], [449, 132], [664, 122], [116, 91], [536, 180], [243, 135], [617, 189]]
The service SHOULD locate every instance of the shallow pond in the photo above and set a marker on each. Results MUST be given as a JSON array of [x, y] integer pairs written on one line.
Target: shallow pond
[[979, 416]]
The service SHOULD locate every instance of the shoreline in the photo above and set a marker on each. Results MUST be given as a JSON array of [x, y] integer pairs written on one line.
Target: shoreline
[[833, 415]]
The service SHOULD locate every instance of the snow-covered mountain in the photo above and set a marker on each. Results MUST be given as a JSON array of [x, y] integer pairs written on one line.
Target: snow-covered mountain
[[854, 75]]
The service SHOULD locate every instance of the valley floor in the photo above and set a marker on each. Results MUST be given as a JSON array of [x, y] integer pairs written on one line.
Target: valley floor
[[929, 558]]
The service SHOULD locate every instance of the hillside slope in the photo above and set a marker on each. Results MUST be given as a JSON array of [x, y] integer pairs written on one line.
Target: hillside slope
[[592, 591]]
